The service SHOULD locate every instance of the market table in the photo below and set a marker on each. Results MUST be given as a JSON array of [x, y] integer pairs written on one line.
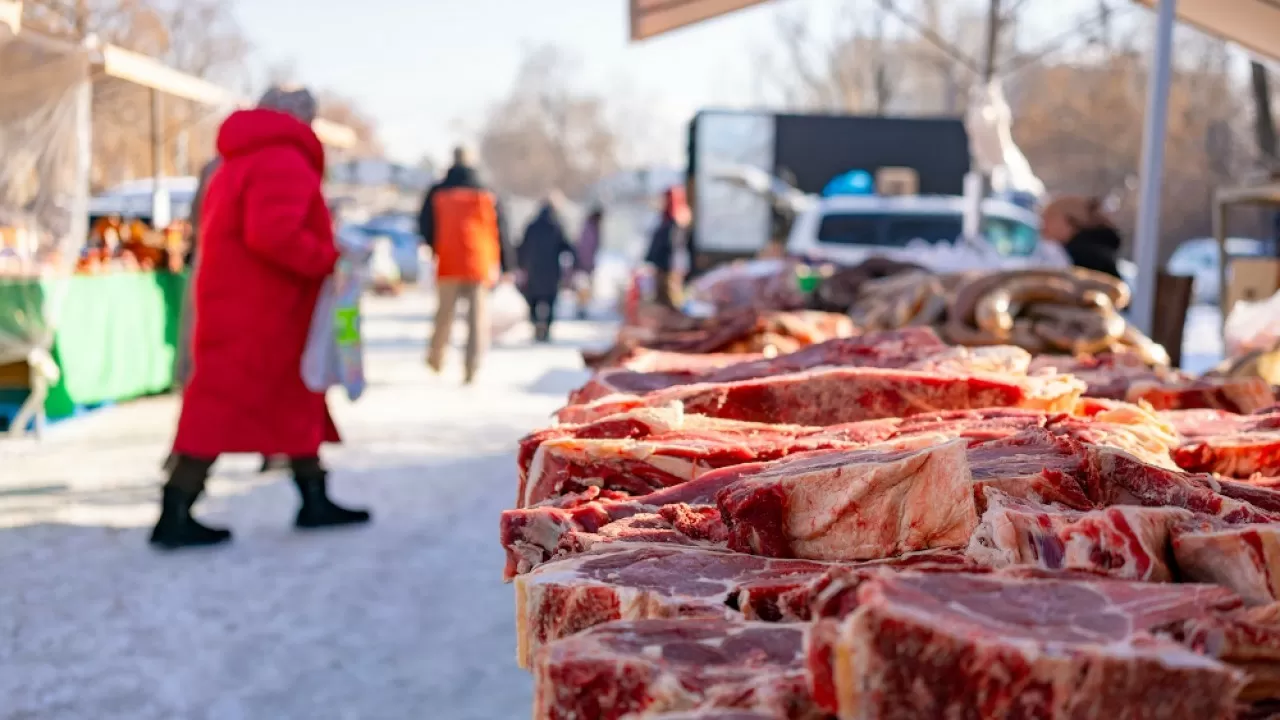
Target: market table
[[115, 334]]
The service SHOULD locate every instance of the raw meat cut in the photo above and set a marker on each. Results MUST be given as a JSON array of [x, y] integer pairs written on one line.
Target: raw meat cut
[[745, 331], [1226, 443], [937, 645], [1127, 541], [670, 447], [637, 467], [662, 423], [1126, 427], [1129, 481], [707, 714], [1247, 639], [886, 349], [1108, 375], [1262, 493], [534, 535], [1037, 465], [1239, 455], [632, 669], [1239, 395], [853, 505], [1193, 424], [639, 582], [841, 395], [646, 360], [1245, 558]]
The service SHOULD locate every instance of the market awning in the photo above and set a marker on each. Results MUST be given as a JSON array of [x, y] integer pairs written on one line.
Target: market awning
[[650, 18], [1252, 24], [141, 70], [116, 62]]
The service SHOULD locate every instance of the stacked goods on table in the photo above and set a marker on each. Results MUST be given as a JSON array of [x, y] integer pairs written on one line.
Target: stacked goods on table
[[888, 526]]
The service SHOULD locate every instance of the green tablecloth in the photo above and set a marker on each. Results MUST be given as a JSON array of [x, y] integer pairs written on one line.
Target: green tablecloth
[[114, 336]]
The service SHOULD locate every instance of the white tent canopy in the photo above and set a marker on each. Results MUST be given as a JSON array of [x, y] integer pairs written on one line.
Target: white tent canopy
[[1252, 24]]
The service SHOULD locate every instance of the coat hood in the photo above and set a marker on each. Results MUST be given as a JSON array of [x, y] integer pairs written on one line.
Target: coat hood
[[248, 131]]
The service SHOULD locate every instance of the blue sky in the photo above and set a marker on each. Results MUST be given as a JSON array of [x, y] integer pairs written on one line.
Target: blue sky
[[428, 69], [421, 67]]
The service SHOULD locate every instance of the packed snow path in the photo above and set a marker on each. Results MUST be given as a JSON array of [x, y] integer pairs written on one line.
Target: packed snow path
[[407, 618]]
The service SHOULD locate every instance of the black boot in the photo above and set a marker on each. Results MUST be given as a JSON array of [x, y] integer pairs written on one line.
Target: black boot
[[317, 510], [177, 529]]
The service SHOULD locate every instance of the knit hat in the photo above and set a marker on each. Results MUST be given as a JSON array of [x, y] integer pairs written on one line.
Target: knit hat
[[295, 101]]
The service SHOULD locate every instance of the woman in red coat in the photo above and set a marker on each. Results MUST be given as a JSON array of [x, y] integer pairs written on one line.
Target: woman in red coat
[[267, 244]]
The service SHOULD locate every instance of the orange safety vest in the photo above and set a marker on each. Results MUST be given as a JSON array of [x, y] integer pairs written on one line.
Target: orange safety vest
[[465, 221]]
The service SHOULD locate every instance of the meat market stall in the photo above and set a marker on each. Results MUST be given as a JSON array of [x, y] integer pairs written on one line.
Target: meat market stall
[[77, 331], [776, 512]]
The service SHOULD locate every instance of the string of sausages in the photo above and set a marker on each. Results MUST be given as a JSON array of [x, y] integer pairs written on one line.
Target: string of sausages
[[1043, 311]]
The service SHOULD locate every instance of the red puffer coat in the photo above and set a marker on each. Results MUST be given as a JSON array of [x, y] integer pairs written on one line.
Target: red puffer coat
[[266, 245]]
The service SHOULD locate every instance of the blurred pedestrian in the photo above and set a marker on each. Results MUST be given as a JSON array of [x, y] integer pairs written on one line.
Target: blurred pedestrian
[[1080, 226], [182, 359], [585, 267], [461, 221], [540, 258], [669, 248], [266, 245]]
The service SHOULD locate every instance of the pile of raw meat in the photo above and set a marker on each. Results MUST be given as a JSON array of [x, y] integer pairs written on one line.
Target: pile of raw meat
[[886, 526]]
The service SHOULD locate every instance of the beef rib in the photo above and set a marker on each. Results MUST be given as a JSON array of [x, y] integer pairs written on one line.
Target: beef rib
[[853, 505], [841, 395], [1245, 558], [639, 582], [643, 668], [1128, 541], [956, 645]]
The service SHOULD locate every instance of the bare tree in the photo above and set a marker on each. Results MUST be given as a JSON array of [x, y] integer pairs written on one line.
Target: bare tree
[[346, 111], [547, 134]]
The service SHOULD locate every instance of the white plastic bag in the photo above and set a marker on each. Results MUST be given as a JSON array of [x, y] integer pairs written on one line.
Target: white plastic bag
[[1253, 326], [507, 309], [334, 354]]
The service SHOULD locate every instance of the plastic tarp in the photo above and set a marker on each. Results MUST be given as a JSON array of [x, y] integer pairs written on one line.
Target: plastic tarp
[[45, 106], [990, 126]]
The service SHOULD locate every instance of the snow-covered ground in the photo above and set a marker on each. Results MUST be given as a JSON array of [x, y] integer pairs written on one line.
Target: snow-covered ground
[[407, 618]]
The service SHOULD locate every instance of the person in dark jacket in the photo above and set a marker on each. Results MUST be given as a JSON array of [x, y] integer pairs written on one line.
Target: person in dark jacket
[[668, 243], [540, 258], [461, 221], [1084, 231]]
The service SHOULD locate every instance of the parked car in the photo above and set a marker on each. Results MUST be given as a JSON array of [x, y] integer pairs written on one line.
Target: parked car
[[926, 229], [401, 231], [1198, 258]]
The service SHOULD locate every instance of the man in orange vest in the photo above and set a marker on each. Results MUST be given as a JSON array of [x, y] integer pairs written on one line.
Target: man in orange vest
[[462, 224]]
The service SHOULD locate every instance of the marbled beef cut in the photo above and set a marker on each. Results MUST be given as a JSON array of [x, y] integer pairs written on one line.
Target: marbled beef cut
[[944, 645], [640, 581], [1245, 558], [1125, 541], [839, 395], [894, 348], [1129, 481], [702, 667], [853, 505]]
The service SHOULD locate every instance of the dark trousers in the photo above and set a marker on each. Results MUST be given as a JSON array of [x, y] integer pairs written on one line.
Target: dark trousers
[[190, 473], [542, 312]]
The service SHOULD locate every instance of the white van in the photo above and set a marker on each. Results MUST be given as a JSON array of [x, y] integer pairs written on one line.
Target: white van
[[922, 229]]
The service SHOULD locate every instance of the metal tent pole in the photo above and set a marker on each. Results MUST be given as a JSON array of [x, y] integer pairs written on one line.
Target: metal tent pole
[[1146, 240]]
